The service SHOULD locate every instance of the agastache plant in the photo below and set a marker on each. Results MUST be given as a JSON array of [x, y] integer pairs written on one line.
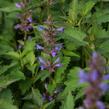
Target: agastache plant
[[51, 47], [25, 18], [96, 80]]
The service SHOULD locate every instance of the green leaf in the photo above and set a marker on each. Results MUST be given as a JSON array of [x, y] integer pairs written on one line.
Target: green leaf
[[99, 33], [87, 7], [50, 104], [70, 53], [73, 11], [69, 102], [4, 47], [28, 46], [7, 96], [13, 54], [28, 105], [75, 35], [29, 58], [101, 16], [25, 85], [6, 100], [104, 48], [37, 97], [13, 76], [4, 68], [6, 105], [10, 8], [60, 71], [72, 81]]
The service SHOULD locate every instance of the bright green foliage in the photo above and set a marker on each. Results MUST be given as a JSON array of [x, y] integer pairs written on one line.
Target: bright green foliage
[[22, 82]]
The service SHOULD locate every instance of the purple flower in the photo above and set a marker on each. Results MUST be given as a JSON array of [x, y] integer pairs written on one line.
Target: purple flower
[[39, 47], [104, 87], [41, 61], [30, 19], [53, 53], [41, 28], [58, 65], [42, 67], [106, 77], [100, 105], [20, 5], [88, 103], [61, 29], [57, 60], [58, 47], [17, 26], [23, 27], [83, 76], [94, 75], [50, 98], [94, 55]]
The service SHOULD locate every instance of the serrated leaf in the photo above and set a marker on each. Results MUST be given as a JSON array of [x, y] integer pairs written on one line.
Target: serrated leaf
[[28, 47], [28, 105], [49, 104], [13, 54], [99, 32], [60, 71], [25, 85], [29, 58], [13, 76], [72, 81], [4, 68], [104, 48], [101, 17], [70, 53], [6, 105], [69, 102], [87, 7], [73, 11], [6, 95], [75, 35], [37, 97]]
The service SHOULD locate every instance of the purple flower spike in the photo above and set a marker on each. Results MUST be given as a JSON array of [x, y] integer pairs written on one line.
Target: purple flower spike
[[83, 76], [100, 105], [39, 47], [61, 29], [95, 79]]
